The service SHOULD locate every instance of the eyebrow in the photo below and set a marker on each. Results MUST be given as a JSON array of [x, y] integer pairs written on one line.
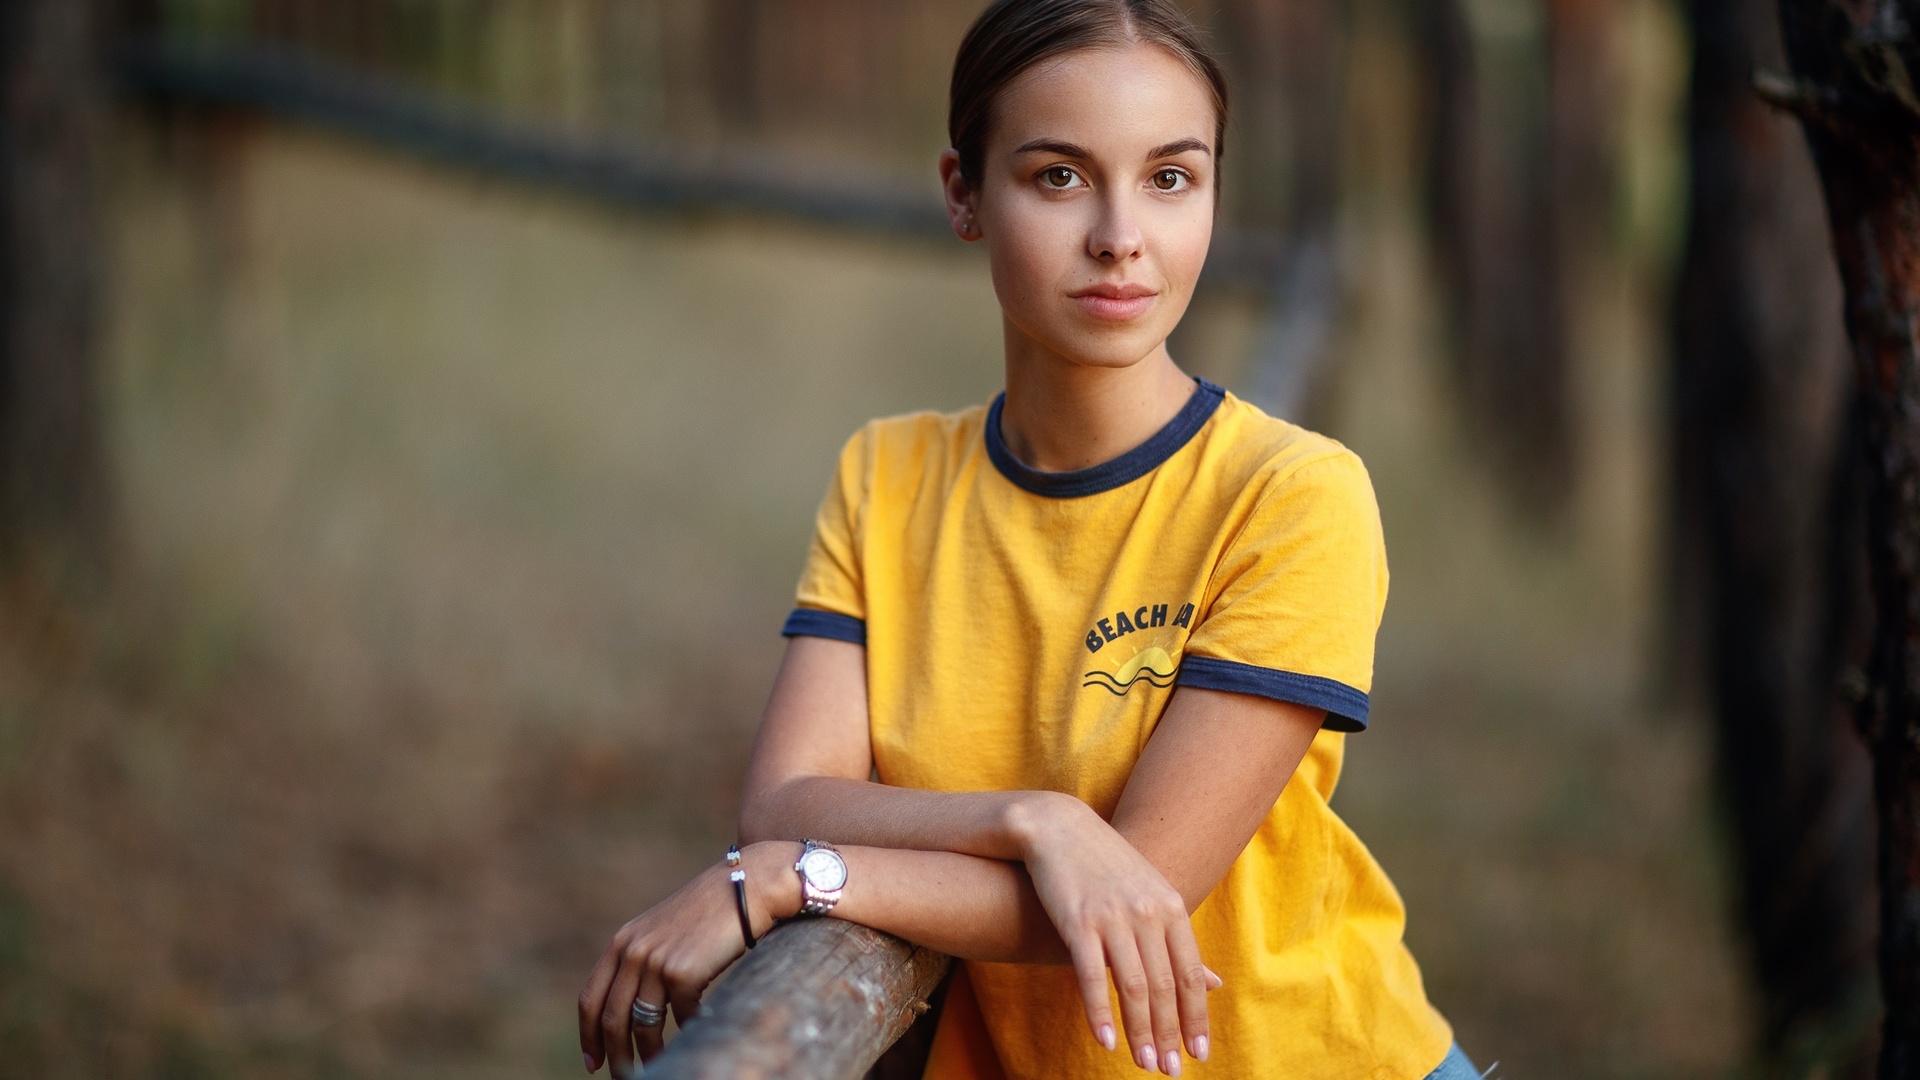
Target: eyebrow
[[1053, 146], [1179, 146], [1067, 149]]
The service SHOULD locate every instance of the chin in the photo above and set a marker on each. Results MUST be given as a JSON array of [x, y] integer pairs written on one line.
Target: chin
[[1108, 360], [1092, 343], [1112, 346]]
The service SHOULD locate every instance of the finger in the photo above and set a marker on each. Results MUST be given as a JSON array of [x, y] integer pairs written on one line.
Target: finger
[[1214, 981], [1190, 981], [686, 1005], [685, 994], [1163, 999], [1090, 970], [649, 1038], [616, 1017], [1123, 956], [592, 1000]]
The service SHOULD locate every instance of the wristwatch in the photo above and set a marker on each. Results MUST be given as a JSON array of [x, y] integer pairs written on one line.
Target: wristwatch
[[823, 877]]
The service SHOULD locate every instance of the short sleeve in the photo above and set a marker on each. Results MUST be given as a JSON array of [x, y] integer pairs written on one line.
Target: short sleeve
[[831, 600], [1297, 596]]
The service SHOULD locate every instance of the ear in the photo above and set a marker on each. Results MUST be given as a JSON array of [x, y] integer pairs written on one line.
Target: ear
[[959, 196]]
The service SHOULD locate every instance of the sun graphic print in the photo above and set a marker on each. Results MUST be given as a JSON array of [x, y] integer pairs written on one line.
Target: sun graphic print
[[1151, 665]]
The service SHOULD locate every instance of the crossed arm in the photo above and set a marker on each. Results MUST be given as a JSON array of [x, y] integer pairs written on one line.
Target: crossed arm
[[1015, 876]]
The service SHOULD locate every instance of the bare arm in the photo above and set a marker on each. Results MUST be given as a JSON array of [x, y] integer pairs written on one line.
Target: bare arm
[[938, 868], [811, 763], [941, 868], [1032, 877]]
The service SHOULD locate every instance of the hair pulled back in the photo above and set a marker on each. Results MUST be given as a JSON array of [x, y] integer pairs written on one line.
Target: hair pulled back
[[1013, 35]]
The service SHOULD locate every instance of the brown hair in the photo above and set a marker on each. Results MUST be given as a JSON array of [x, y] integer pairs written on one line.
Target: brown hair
[[1013, 35]]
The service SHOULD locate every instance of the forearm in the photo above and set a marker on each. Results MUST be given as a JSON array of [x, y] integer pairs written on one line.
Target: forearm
[[963, 905], [989, 824]]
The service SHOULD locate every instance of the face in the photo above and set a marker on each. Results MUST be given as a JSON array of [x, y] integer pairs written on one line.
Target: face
[[1095, 201]]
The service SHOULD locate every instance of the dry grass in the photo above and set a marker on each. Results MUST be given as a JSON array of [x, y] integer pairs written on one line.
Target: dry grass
[[457, 531]]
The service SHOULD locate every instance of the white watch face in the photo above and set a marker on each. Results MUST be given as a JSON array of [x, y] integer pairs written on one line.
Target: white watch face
[[825, 869]]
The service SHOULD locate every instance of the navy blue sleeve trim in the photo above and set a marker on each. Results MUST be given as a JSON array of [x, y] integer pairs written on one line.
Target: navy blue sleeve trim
[[1346, 707], [812, 622]]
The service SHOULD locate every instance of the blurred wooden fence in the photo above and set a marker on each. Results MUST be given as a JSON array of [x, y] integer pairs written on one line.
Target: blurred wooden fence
[[825, 110], [823, 77]]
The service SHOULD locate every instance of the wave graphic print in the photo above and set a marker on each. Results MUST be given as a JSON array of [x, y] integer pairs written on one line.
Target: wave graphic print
[[1144, 666], [1119, 689]]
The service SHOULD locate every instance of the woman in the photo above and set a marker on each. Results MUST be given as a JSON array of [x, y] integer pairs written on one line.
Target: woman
[[1100, 643]]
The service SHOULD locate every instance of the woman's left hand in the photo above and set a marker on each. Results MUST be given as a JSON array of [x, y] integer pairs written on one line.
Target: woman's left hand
[[667, 956]]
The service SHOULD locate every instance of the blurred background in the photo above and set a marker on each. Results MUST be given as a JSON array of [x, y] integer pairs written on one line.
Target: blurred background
[[412, 414]]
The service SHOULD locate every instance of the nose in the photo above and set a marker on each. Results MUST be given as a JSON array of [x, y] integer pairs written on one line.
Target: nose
[[1115, 237]]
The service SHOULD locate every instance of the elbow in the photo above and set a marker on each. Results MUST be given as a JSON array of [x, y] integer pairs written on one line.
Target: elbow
[[756, 821], [763, 813], [785, 809]]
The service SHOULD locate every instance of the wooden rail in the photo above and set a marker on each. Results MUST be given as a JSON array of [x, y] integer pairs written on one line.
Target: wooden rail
[[820, 999], [310, 89]]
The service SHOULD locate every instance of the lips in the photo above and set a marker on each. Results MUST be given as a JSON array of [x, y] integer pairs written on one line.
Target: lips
[[1115, 302]]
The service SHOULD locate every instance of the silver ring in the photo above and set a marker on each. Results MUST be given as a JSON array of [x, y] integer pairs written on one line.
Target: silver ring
[[645, 1015]]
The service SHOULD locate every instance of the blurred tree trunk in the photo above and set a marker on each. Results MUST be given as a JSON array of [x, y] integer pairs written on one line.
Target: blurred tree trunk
[[55, 86], [1287, 60], [1856, 67], [733, 64], [1493, 215], [1582, 149], [1768, 532]]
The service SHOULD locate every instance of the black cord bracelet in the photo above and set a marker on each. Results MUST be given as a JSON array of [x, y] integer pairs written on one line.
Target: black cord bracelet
[[738, 875]]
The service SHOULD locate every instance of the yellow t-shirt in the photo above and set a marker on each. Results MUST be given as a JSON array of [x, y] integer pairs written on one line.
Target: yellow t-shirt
[[1025, 630]]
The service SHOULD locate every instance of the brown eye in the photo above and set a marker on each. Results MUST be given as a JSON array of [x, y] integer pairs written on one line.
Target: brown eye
[[1059, 176], [1167, 179]]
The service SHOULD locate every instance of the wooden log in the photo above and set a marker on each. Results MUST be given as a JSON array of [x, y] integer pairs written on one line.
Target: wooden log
[[820, 999]]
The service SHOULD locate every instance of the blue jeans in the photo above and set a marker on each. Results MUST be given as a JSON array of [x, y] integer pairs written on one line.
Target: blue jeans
[[1455, 1067]]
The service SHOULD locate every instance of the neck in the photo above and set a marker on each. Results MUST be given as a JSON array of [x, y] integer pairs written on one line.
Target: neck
[[1061, 416]]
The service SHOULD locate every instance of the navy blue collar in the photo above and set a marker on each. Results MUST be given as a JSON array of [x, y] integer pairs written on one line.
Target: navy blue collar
[[1107, 475]]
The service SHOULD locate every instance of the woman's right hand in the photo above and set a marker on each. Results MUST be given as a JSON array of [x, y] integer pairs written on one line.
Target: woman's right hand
[[667, 955], [1114, 909]]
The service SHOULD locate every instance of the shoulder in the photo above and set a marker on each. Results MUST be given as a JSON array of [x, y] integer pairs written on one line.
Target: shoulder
[[922, 431], [1273, 460], [889, 459]]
